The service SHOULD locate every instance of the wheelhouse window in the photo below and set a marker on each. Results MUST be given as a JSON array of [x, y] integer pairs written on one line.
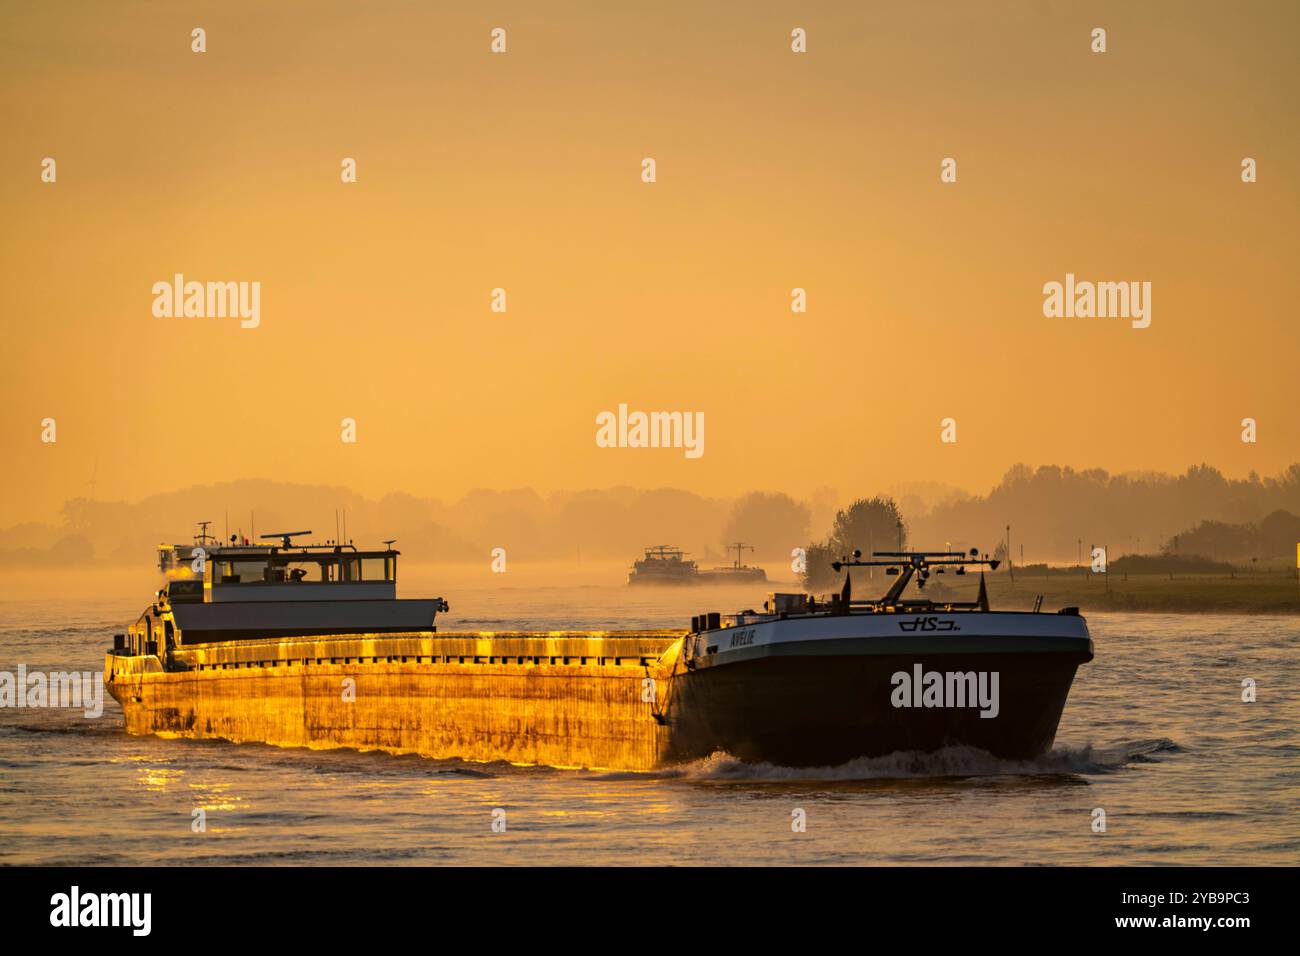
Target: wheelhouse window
[[240, 571], [184, 591], [297, 569], [309, 568], [377, 569]]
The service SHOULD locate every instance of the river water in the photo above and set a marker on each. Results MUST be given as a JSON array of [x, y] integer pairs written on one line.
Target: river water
[[1155, 734]]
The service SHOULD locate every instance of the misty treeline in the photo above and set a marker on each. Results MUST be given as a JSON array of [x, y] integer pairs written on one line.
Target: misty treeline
[[1055, 514], [616, 523], [1276, 536]]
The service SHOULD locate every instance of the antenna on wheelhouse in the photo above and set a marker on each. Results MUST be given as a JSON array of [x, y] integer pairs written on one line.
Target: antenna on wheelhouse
[[285, 537], [918, 564]]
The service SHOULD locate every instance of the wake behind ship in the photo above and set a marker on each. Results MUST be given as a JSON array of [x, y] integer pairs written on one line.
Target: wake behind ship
[[308, 645]]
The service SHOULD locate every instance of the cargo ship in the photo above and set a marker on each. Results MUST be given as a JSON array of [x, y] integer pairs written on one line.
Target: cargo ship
[[664, 564], [738, 573], [309, 646]]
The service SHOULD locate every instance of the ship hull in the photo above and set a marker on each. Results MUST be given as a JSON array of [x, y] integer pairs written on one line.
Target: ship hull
[[669, 580], [819, 692], [723, 576], [563, 701], [828, 710], [734, 576], [824, 690]]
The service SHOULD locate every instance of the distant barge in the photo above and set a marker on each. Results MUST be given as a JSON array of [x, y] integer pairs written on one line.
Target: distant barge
[[309, 646], [663, 564]]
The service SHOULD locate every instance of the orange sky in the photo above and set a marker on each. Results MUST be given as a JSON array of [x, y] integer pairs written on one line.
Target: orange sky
[[522, 170]]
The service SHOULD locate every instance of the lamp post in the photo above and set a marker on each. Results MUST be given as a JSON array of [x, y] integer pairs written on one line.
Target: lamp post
[[1011, 565]]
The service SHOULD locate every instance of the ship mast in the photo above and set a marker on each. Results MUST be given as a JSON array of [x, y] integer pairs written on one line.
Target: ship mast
[[910, 564], [739, 546]]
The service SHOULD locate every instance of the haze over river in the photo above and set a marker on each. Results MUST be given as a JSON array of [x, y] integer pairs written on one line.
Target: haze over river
[[1155, 733]]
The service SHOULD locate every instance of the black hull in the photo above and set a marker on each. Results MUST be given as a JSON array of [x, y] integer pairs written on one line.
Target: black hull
[[727, 576], [823, 710], [702, 577]]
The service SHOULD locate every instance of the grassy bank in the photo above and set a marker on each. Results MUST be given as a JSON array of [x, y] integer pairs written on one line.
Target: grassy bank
[[1274, 592]]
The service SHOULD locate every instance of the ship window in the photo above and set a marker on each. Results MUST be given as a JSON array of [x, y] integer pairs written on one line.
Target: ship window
[[376, 569], [295, 571], [179, 592], [241, 572]]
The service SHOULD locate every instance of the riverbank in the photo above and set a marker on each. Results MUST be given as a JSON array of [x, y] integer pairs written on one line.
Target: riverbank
[[1273, 592]]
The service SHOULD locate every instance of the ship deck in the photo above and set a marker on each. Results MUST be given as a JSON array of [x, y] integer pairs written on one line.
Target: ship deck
[[637, 648]]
